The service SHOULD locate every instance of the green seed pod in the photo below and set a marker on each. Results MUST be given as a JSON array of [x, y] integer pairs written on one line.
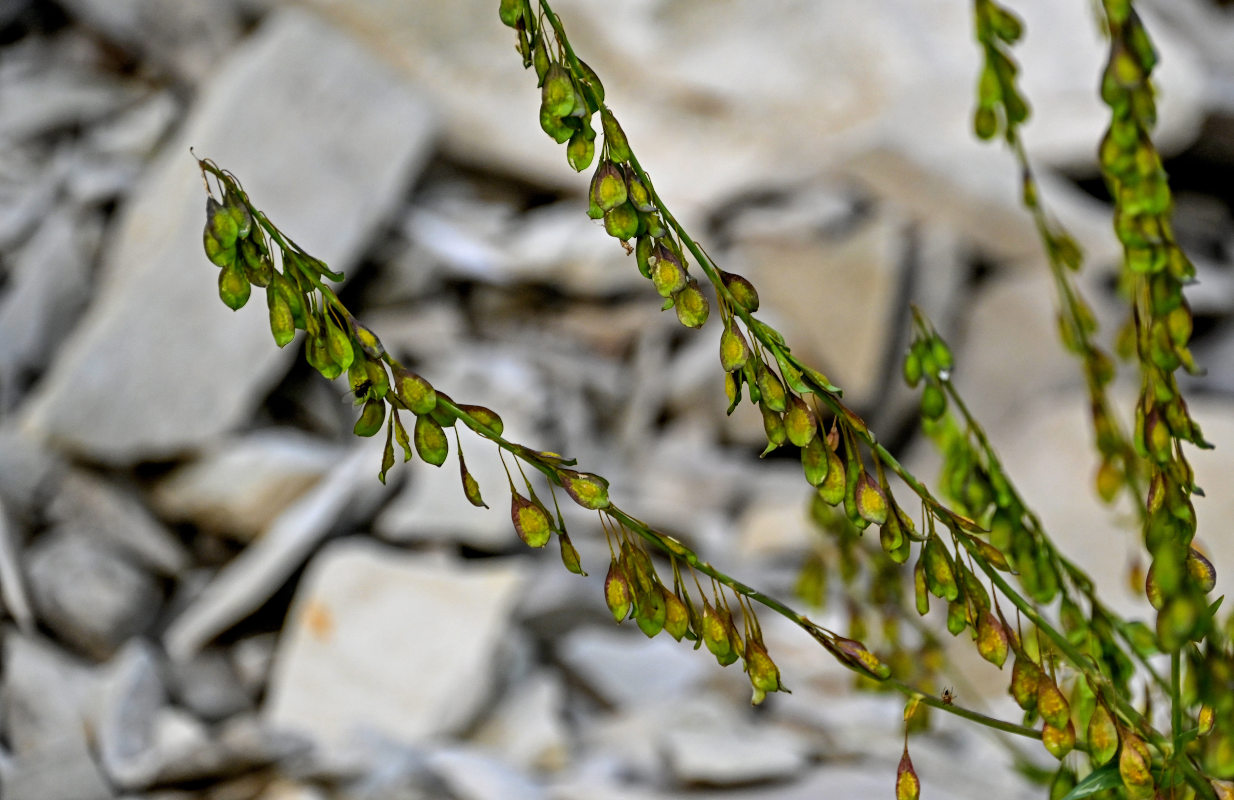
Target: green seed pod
[[608, 186], [985, 123], [871, 503], [912, 369], [692, 306], [734, 351], [379, 381], [592, 81], [933, 401], [319, 358], [1051, 703], [371, 418], [617, 592], [557, 93], [235, 207], [430, 441], [1135, 764], [1058, 741], [652, 222], [1178, 621], [442, 415], [221, 224], [367, 340], [1102, 735], [667, 273], [581, 150], [569, 555], [814, 461], [832, 490], [531, 521], [282, 324], [716, 632], [1201, 571], [539, 57], [651, 611], [414, 392], [257, 265], [1025, 678], [615, 138], [763, 672], [992, 640], [589, 491], [511, 11], [488, 420], [219, 255], [742, 290], [773, 426], [640, 197], [292, 297], [234, 287], [940, 575], [957, 617], [799, 421], [555, 127], [771, 390], [677, 616], [919, 588], [621, 222], [642, 254], [471, 487], [908, 786], [387, 453], [400, 435], [338, 344]]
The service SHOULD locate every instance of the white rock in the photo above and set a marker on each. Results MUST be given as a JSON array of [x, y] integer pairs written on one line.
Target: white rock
[[133, 693], [470, 776], [527, 728], [240, 485], [65, 771], [209, 686], [12, 582], [89, 594], [624, 668], [726, 757], [396, 643], [97, 510], [48, 695], [347, 494], [327, 179]]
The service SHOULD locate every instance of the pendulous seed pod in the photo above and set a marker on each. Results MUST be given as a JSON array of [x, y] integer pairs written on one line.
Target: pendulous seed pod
[[555, 127], [715, 633], [642, 254], [1102, 735], [992, 640], [471, 487], [510, 12], [371, 418], [430, 440], [621, 222], [771, 390], [742, 290], [667, 273], [588, 490], [531, 521], [338, 344], [1135, 766], [557, 93], [1058, 741], [651, 610], [282, 323], [1051, 703], [615, 138], [692, 306], [834, 485], [799, 421], [677, 616], [940, 576], [734, 351], [414, 392], [871, 502], [617, 591], [640, 197], [581, 149], [234, 286], [763, 672], [488, 420], [569, 555], [908, 786], [608, 186], [1025, 678]]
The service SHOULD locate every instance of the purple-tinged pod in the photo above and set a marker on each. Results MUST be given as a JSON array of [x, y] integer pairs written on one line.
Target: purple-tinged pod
[[531, 521]]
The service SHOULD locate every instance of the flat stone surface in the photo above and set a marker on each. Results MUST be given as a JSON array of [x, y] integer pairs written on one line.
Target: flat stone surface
[[397, 643], [335, 171], [624, 668]]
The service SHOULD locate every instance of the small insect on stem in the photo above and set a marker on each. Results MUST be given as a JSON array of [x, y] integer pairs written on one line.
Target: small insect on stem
[[948, 696]]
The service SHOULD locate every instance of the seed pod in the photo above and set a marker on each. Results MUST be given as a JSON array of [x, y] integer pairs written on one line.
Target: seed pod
[[677, 616], [1102, 735], [908, 787], [715, 632], [221, 224], [940, 576], [933, 401], [581, 150], [531, 521], [511, 11], [1201, 570], [734, 351], [912, 369], [692, 306], [488, 419], [539, 57], [1051, 703], [379, 382], [773, 426], [1025, 678], [640, 197], [814, 461], [471, 487], [1206, 720], [799, 421], [414, 392], [617, 592], [651, 610], [219, 255], [957, 617], [338, 344], [430, 440], [1135, 766], [763, 672], [1059, 741], [919, 588], [667, 273], [592, 80], [257, 265], [400, 435], [557, 92], [742, 290], [569, 555], [282, 325], [871, 503], [588, 490], [856, 654], [621, 222], [608, 186], [615, 138], [771, 389], [991, 554], [319, 358], [371, 418], [642, 254], [368, 341], [992, 640], [832, 490], [556, 128], [387, 453], [234, 288]]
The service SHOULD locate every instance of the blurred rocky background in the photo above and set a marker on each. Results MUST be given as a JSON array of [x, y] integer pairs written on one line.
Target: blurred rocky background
[[207, 593]]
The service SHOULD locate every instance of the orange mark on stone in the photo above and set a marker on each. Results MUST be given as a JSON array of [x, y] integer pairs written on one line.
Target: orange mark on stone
[[318, 619]]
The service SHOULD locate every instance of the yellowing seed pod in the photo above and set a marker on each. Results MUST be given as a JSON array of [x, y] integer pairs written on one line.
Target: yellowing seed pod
[[940, 577], [234, 287], [871, 503], [814, 461], [1051, 703], [608, 186], [488, 421], [716, 632], [908, 786], [1201, 571], [588, 490], [771, 390], [531, 521], [1059, 741], [282, 324], [1102, 735], [617, 592], [621, 222], [581, 150], [414, 392], [640, 197], [557, 93], [471, 487], [651, 610], [400, 435], [569, 555], [1135, 766], [692, 306], [1025, 678], [677, 616], [742, 290], [763, 672], [799, 421], [734, 351], [992, 640], [318, 358], [667, 273], [371, 418], [430, 440], [919, 588], [858, 655], [833, 486]]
